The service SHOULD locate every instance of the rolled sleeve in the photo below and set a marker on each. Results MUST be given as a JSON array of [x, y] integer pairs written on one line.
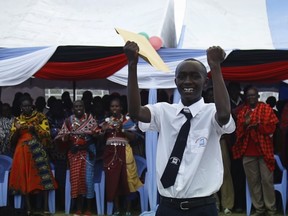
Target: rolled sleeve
[[227, 128], [144, 126], [152, 126]]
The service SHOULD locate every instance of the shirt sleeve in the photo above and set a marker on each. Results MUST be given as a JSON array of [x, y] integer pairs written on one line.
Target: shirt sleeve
[[227, 128], [154, 125]]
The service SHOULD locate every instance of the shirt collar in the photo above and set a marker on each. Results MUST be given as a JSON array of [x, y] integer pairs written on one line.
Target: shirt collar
[[194, 108]]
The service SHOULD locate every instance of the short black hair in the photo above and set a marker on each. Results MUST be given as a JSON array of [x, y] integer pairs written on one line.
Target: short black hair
[[26, 97], [192, 60], [249, 87]]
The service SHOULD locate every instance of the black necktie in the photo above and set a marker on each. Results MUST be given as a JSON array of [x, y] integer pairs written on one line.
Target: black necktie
[[171, 170]]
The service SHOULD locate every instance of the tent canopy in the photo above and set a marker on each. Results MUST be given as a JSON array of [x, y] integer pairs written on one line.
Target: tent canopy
[[36, 33], [239, 24], [83, 22]]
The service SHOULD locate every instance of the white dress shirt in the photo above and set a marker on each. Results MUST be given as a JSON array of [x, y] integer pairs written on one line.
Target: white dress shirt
[[201, 170]]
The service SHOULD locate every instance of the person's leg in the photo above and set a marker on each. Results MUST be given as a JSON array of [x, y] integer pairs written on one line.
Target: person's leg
[[128, 207], [117, 204], [252, 170], [45, 195], [28, 204], [60, 176], [90, 163], [79, 203], [227, 189], [267, 180], [89, 203], [239, 181]]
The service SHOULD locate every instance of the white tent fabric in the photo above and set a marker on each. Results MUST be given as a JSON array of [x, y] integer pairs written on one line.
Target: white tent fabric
[[16, 70], [50, 23], [19, 64], [238, 24], [83, 22]]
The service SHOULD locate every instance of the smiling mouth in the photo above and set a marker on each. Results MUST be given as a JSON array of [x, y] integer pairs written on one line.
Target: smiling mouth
[[188, 90]]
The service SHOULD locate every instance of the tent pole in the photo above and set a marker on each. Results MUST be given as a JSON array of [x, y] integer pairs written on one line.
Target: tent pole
[[74, 90]]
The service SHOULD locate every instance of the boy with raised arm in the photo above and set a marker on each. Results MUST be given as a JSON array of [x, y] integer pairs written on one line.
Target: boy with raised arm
[[198, 165]]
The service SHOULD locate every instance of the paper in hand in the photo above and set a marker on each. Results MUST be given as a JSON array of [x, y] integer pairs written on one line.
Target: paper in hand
[[146, 51]]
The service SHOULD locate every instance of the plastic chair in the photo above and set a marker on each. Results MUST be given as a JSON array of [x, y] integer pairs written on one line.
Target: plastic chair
[[67, 193], [5, 166], [99, 188], [51, 197], [141, 167], [281, 187], [150, 213], [51, 194]]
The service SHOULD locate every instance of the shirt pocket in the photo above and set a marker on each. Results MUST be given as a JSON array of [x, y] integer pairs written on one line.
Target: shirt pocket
[[198, 141]]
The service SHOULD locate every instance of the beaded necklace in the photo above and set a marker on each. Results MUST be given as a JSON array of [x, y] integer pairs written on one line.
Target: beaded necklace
[[77, 122], [115, 122]]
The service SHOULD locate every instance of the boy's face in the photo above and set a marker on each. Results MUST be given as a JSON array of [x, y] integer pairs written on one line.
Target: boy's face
[[190, 79]]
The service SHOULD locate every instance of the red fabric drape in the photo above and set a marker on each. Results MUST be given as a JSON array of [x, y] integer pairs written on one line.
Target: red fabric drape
[[84, 70], [270, 72]]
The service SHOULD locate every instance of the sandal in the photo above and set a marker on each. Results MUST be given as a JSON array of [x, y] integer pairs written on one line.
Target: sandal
[[46, 213]]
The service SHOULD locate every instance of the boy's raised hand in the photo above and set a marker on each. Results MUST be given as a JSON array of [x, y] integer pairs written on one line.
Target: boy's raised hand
[[131, 50], [215, 55]]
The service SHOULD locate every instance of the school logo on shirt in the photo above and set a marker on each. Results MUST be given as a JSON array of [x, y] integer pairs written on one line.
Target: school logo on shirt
[[174, 160], [201, 141], [199, 146]]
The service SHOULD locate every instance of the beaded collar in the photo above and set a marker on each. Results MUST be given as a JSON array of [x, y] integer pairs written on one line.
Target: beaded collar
[[77, 122], [115, 121]]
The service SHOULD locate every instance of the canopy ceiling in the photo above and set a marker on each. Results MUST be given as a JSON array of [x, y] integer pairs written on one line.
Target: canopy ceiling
[[83, 22], [237, 24]]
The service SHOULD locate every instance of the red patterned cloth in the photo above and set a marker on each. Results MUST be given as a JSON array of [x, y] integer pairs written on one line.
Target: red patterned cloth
[[77, 165], [81, 131], [258, 133]]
